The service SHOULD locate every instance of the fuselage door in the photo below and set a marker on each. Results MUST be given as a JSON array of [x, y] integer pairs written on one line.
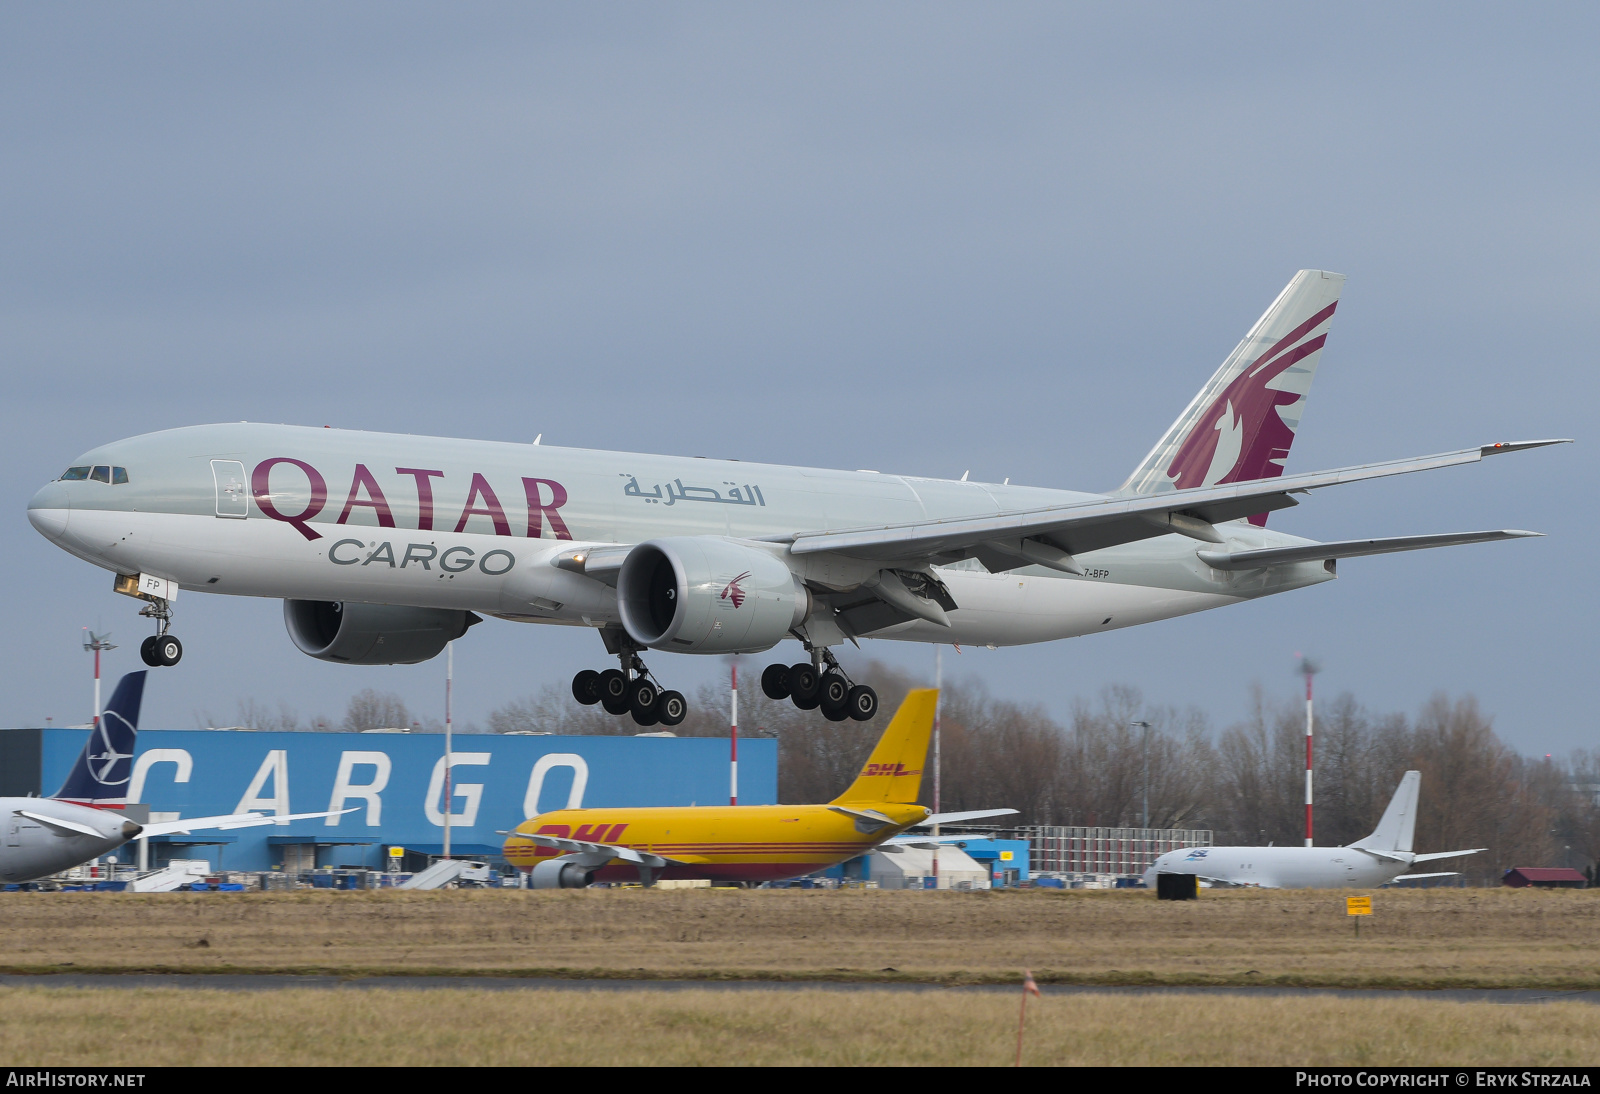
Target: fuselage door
[[232, 499]]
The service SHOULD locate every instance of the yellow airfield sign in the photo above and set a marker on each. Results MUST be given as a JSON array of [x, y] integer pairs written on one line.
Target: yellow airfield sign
[[1358, 905]]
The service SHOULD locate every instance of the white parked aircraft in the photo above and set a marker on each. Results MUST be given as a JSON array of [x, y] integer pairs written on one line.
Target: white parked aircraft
[[1378, 859], [85, 819], [384, 547]]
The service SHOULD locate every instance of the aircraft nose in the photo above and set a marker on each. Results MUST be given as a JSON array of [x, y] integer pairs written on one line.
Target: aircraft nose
[[48, 511]]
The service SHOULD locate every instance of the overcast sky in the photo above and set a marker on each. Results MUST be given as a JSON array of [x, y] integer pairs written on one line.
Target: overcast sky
[[1005, 238]]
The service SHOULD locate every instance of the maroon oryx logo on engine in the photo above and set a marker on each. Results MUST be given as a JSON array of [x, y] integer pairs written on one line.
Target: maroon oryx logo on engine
[[732, 591]]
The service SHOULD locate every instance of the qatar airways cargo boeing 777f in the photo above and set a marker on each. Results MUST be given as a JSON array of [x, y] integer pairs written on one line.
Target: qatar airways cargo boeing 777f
[[384, 547]]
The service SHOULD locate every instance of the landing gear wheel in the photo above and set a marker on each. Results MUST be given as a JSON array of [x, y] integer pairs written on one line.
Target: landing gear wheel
[[835, 690], [642, 695], [586, 687], [775, 682], [833, 697], [862, 703], [671, 708], [805, 683], [614, 691], [147, 652], [169, 651]]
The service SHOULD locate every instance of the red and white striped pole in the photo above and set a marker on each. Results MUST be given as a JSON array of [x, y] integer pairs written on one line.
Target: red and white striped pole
[[1308, 669], [733, 742]]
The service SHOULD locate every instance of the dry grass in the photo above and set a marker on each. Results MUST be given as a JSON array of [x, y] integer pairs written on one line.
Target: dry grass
[[164, 1026], [1417, 938]]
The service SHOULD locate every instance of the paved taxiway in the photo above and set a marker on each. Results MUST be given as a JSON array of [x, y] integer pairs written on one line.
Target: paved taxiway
[[268, 982]]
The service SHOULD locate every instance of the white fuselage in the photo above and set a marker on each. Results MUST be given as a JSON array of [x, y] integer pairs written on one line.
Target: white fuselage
[[475, 525], [32, 849], [1281, 867]]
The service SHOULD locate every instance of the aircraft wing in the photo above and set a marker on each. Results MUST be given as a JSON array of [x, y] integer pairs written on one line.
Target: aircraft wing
[[1414, 877], [584, 847], [233, 820], [1445, 854], [1051, 535]]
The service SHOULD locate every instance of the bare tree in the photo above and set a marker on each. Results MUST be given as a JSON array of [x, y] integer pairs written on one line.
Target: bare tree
[[370, 709]]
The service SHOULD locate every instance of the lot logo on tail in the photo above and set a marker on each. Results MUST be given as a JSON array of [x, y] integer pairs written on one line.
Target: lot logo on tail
[[1242, 434]]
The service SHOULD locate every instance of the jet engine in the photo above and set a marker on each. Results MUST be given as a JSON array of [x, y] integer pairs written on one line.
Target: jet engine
[[707, 594], [559, 874], [372, 634]]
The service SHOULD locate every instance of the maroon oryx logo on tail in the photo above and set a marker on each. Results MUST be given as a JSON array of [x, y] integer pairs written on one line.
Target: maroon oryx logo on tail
[[1240, 435], [732, 591]]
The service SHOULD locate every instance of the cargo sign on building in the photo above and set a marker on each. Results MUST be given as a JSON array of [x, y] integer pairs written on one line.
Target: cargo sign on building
[[394, 783]]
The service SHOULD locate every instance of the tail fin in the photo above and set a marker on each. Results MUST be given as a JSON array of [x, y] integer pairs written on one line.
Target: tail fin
[[1399, 823], [100, 775], [894, 770], [1243, 421]]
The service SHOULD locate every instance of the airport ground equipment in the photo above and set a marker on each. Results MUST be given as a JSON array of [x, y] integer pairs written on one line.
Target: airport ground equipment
[[386, 547], [1177, 886]]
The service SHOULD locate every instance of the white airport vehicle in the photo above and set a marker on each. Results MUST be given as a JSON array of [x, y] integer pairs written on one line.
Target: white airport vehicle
[[385, 547], [1378, 859]]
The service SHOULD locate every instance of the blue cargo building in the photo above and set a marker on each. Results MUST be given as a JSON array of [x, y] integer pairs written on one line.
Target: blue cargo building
[[394, 782]]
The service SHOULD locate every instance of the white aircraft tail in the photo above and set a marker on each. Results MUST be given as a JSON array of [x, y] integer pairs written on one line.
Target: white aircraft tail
[[1241, 424], [1399, 823]]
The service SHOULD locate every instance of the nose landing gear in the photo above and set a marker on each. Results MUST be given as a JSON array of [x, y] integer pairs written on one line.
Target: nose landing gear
[[808, 687], [160, 649]]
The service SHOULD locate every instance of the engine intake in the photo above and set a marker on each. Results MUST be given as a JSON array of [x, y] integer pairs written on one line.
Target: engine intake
[[559, 874], [372, 634], [708, 594]]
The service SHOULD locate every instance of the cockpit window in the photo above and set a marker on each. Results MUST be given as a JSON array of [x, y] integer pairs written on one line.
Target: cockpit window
[[119, 475], [74, 474], [101, 474]]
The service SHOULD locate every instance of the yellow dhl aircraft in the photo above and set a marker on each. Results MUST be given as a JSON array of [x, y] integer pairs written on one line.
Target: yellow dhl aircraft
[[570, 848]]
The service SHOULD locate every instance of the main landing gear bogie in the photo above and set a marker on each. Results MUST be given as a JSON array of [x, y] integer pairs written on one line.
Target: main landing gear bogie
[[808, 688], [622, 692]]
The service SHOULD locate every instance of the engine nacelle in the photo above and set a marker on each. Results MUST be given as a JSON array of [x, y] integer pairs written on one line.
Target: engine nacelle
[[707, 594], [559, 874], [372, 634]]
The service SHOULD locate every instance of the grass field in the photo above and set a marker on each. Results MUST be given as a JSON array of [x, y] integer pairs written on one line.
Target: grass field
[[132, 1028], [1416, 938]]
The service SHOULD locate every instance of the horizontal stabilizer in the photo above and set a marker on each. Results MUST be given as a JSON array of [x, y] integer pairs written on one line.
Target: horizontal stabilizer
[[969, 815], [1349, 548], [233, 820], [59, 826], [1446, 854], [925, 843]]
